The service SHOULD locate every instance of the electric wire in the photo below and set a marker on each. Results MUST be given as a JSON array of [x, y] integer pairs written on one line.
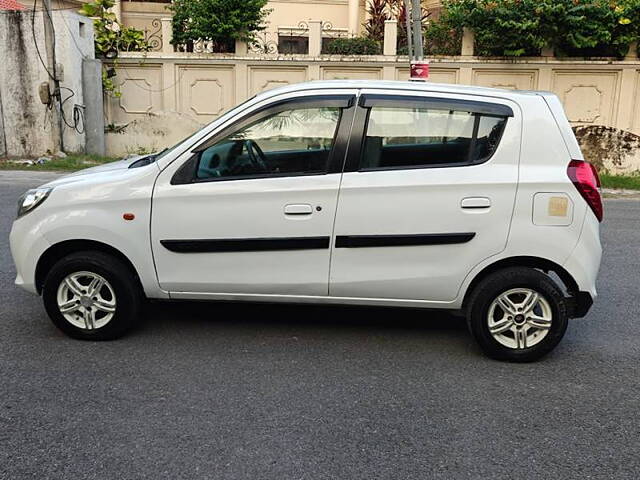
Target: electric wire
[[35, 41], [77, 120]]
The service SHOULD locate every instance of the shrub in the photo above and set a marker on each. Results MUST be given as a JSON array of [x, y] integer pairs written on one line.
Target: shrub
[[570, 27], [502, 27], [110, 36], [354, 46], [626, 24], [582, 28], [441, 37]]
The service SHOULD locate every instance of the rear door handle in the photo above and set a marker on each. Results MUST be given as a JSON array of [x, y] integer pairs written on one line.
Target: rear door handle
[[475, 202], [298, 209]]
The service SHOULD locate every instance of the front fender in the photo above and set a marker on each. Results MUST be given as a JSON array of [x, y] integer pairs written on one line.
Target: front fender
[[92, 208]]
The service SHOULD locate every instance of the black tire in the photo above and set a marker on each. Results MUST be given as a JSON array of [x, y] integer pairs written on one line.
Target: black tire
[[500, 282], [128, 294]]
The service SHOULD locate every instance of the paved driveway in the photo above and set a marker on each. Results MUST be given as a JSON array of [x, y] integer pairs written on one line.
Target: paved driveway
[[287, 392]]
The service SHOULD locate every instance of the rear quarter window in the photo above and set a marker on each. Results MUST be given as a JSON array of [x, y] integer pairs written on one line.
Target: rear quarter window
[[416, 137]]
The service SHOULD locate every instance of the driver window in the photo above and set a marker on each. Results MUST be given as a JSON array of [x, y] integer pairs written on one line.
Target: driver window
[[291, 142]]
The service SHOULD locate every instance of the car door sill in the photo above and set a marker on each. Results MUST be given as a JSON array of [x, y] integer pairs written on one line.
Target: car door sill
[[317, 299]]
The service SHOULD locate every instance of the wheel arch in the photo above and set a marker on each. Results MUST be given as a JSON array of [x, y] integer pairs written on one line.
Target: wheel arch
[[567, 281], [61, 249]]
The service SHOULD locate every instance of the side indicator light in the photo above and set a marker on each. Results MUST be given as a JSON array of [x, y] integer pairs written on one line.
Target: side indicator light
[[128, 216]]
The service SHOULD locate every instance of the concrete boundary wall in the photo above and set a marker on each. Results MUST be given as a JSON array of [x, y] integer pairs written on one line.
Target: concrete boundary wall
[[204, 86]]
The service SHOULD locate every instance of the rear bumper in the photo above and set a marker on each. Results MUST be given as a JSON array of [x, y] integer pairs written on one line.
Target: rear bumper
[[584, 263], [581, 303]]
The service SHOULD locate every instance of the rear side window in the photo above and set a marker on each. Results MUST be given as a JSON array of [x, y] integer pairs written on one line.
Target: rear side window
[[407, 137]]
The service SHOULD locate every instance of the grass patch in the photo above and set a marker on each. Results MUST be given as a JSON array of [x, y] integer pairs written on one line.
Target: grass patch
[[70, 163], [627, 182]]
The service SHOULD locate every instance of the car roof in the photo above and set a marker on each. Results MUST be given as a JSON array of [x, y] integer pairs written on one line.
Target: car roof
[[403, 86]]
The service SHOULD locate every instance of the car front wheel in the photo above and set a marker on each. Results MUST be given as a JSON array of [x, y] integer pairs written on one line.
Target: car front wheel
[[92, 296], [517, 314]]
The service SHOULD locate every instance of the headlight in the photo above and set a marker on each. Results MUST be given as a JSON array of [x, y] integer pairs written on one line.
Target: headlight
[[32, 198]]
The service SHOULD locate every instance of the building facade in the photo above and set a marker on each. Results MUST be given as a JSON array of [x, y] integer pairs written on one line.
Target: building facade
[[286, 25], [344, 15]]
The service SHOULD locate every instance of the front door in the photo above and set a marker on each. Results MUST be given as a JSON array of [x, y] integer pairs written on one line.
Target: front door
[[252, 211], [427, 196]]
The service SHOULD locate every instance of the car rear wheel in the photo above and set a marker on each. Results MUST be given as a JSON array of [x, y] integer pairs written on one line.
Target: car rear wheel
[[517, 314], [92, 296]]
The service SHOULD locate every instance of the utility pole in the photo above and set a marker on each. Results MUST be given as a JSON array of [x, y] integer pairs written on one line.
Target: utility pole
[[50, 48], [417, 30], [418, 66]]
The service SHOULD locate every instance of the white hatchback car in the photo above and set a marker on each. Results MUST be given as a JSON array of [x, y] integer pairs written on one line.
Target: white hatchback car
[[354, 192]]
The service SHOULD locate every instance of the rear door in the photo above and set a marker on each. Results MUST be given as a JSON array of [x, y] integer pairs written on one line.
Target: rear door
[[427, 193]]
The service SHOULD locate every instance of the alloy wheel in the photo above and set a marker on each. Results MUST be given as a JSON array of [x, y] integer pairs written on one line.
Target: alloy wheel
[[519, 318], [86, 300]]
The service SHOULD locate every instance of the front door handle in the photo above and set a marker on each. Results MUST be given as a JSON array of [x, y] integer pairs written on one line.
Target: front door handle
[[475, 202], [298, 209]]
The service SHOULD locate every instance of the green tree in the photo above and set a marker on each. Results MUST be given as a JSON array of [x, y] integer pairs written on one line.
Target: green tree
[[218, 21]]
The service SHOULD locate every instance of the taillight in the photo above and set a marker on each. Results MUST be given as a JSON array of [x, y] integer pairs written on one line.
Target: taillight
[[585, 177]]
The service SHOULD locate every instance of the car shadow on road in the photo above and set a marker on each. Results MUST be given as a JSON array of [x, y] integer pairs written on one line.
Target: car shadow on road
[[194, 315]]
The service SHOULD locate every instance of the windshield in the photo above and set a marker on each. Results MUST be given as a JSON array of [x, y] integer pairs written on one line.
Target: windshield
[[228, 113]]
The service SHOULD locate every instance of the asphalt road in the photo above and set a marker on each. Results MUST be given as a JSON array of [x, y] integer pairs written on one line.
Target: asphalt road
[[228, 391]]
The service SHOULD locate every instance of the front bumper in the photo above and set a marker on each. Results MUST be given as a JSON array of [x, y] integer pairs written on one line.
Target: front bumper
[[27, 245]]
